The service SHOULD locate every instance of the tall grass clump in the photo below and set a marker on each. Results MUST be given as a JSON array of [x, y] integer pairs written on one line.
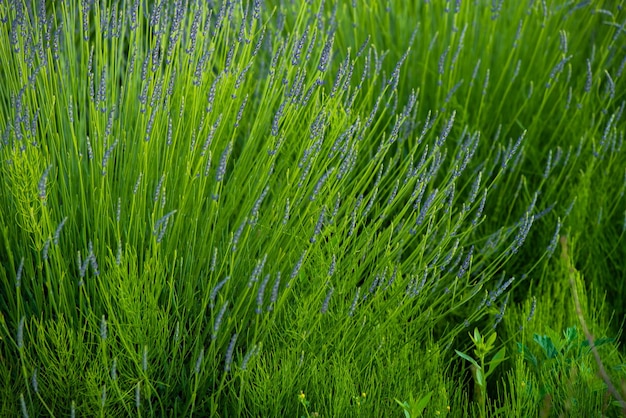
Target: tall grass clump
[[303, 208]]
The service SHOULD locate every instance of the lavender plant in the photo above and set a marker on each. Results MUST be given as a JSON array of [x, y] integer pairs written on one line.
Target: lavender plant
[[209, 207]]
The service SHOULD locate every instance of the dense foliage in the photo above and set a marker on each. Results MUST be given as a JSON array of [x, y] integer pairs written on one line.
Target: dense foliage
[[312, 208]]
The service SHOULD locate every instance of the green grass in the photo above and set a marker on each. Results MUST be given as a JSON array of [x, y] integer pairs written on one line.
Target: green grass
[[303, 208]]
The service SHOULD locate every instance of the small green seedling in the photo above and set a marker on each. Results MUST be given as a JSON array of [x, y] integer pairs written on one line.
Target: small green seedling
[[481, 370], [560, 354], [415, 407]]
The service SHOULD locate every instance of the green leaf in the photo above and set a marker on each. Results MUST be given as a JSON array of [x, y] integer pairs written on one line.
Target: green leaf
[[528, 355], [406, 408], [597, 343], [571, 334], [496, 360], [480, 378], [413, 408], [602, 341], [547, 345], [419, 407], [468, 358], [477, 338]]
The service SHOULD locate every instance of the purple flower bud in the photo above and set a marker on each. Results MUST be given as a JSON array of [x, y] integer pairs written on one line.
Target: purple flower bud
[[475, 188], [486, 82], [221, 169], [114, 369], [138, 395], [452, 91], [23, 405], [215, 290], [240, 112], [70, 110], [500, 315], [517, 68], [259, 42], [375, 284], [89, 149], [274, 296], [33, 124], [155, 16], [353, 215], [336, 207], [137, 183], [209, 139], [429, 201], [331, 269], [557, 69], [481, 207], [511, 151], [297, 50], [107, 156], [101, 97], [286, 215], [312, 45], [321, 182], [238, 233], [326, 52], [501, 289], [156, 93], [344, 67], [194, 31], [370, 203], [248, 356], [118, 256], [459, 47], [395, 75], [218, 320], [555, 238], [229, 353], [257, 205], [213, 260], [161, 225], [324, 308], [157, 190], [20, 333], [522, 232], [42, 183], [18, 276], [199, 361], [103, 328], [318, 225], [34, 381], [276, 121], [446, 130], [298, 265], [46, 247], [466, 263], [354, 301], [442, 60], [82, 267], [92, 260], [85, 6], [620, 70], [144, 359], [496, 6], [261, 294], [532, 309]]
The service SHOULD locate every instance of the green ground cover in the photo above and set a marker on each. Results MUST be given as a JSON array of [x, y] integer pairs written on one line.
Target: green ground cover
[[312, 208]]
